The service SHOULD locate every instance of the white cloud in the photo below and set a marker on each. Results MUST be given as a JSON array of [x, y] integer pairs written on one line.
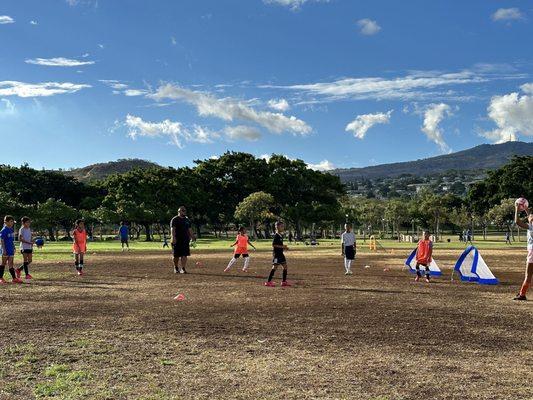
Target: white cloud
[[433, 116], [101, 45], [229, 109], [174, 130], [527, 88], [414, 86], [513, 115], [279, 104], [7, 107], [6, 19], [507, 14], [173, 41], [135, 92], [32, 22], [242, 132], [368, 26], [23, 89], [292, 4], [324, 165], [360, 125], [58, 62]]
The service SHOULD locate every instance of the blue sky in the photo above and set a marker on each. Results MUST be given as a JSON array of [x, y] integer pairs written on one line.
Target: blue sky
[[337, 83]]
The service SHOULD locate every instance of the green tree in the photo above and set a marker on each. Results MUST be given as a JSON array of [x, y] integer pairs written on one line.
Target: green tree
[[255, 208], [55, 213]]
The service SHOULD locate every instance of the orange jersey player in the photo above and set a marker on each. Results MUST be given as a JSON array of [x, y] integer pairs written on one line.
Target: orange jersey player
[[79, 245], [241, 249], [424, 254]]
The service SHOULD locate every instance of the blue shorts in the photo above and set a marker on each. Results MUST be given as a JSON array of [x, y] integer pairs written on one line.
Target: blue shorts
[[9, 252]]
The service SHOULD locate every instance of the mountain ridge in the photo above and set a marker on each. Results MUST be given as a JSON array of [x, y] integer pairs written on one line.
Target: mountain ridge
[[479, 158]]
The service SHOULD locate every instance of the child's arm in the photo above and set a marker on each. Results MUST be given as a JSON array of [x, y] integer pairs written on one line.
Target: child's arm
[[250, 243], [518, 221], [234, 244]]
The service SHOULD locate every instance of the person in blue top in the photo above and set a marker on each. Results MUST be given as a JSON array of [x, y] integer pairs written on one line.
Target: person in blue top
[[124, 233], [7, 239]]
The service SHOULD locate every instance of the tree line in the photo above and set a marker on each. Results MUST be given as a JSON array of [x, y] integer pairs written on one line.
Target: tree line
[[238, 188]]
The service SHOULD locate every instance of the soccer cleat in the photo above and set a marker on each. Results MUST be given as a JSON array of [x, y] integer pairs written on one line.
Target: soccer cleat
[[80, 272], [226, 269], [348, 273], [18, 273], [3, 281], [183, 271], [520, 297], [270, 284], [417, 279], [29, 277], [176, 270], [427, 280], [285, 284], [17, 280], [245, 270]]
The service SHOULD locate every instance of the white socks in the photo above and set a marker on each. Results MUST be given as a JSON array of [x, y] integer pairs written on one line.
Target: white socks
[[230, 264], [347, 265], [246, 263]]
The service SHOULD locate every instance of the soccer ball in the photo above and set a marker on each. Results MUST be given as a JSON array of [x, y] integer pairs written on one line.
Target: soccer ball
[[522, 204]]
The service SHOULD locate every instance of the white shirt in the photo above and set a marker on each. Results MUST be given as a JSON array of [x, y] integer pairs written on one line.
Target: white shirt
[[348, 239], [25, 233], [530, 237]]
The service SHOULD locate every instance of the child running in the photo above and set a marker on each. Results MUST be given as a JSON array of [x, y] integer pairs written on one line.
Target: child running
[[279, 258], [7, 239], [348, 248], [79, 247], [521, 296], [242, 243], [26, 248], [424, 254]]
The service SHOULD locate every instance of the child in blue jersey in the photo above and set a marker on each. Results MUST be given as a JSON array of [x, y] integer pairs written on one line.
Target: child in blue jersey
[[7, 239], [124, 233]]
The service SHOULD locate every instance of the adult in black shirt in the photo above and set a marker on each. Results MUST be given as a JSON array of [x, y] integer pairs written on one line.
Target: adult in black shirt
[[182, 234]]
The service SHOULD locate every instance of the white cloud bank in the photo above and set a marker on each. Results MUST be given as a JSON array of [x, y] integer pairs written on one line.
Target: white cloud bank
[[174, 130], [6, 19], [507, 14], [292, 4], [279, 105], [324, 165], [58, 62], [433, 116], [23, 89], [242, 132], [513, 115], [368, 26], [360, 125], [229, 109], [414, 86]]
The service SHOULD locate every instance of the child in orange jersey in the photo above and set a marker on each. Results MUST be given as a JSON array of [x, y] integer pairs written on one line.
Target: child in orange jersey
[[241, 249], [424, 253], [79, 247]]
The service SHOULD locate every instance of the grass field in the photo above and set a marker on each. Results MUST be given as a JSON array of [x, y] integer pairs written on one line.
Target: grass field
[[116, 332]]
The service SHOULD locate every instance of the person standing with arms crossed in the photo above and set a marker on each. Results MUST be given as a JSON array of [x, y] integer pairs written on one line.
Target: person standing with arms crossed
[[182, 234]]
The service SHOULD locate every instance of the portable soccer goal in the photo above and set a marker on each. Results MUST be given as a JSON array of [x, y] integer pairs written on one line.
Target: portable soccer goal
[[472, 268], [434, 269]]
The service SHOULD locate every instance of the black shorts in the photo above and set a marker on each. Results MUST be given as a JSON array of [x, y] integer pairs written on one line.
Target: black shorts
[[26, 251], [181, 249], [237, 255], [124, 241], [279, 259], [349, 252]]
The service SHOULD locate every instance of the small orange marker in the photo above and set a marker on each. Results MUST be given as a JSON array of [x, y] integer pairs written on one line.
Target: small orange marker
[[179, 297]]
